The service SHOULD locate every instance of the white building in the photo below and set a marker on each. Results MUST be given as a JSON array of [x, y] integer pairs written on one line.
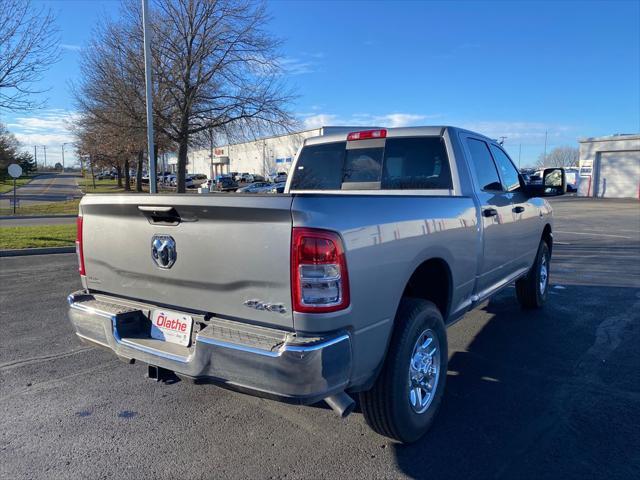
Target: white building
[[265, 156], [610, 166]]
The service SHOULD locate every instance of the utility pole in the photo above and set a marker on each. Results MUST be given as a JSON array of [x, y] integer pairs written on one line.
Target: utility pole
[[545, 148], [519, 155], [35, 155], [63, 156], [45, 155], [153, 186]]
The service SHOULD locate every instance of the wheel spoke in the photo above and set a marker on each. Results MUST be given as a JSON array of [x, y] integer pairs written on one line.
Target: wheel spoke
[[423, 371], [426, 343]]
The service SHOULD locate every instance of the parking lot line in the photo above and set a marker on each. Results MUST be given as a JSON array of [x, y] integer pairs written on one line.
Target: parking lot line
[[594, 234]]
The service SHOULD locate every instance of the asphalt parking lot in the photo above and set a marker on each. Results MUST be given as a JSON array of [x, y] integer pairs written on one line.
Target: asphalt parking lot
[[552, 393]]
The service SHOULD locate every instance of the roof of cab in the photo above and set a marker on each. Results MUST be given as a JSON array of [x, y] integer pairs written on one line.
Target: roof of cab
[[433, 130]]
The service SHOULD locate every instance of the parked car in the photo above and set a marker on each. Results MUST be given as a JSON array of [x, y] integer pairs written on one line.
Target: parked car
[[345, 287], [277, 187], [227, 184], [279, 177], [244, 178], [255, 187], [195, 180]]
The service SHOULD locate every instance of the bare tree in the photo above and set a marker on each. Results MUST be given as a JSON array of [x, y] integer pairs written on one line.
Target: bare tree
[[111, 92], [28, 46], [560, 157], [216, 68]]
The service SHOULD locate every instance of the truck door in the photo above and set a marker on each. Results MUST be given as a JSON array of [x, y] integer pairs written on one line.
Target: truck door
[[495, 214], [527, 229]]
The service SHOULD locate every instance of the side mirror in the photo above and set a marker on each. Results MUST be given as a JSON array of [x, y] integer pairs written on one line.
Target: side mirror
[[554, 183]]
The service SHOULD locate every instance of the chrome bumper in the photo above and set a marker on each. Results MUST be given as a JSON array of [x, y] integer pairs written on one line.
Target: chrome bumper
[[261, 361]]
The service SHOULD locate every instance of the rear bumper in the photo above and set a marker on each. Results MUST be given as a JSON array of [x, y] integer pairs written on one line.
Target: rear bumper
[[256, 360]]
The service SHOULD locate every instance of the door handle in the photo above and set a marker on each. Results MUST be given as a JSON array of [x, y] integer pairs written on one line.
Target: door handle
[[489, 212], [518, 209]]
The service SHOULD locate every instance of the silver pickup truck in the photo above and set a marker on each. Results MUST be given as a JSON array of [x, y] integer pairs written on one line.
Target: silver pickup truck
[[382, 239]]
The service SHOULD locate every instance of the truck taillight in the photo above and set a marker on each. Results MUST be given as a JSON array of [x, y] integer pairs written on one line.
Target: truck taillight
[[366, 135], [79, 249], [319, 278]]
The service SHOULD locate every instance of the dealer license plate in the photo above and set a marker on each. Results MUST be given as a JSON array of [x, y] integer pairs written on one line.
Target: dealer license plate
[[171, 326]]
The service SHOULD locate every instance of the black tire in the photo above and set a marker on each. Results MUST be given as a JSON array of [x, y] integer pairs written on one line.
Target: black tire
[[529, 290], [386, 407]]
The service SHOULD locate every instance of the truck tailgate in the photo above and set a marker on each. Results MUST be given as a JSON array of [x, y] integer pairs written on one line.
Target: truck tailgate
[[230, 249]]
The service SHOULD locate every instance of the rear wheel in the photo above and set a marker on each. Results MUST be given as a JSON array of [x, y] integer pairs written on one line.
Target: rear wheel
[[532, 289], [403, 402]]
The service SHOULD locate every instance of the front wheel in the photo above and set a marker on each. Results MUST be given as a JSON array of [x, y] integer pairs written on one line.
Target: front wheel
[[532, 289], [403, 402]]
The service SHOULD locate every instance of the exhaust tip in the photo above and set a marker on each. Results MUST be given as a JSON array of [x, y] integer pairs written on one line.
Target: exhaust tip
[[341, 403]]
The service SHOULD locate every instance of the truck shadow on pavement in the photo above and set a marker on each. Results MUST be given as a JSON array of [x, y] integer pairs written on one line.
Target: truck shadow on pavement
[[539, 394]]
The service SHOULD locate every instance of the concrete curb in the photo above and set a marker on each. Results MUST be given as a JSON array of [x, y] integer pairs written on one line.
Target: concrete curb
[[20, 217], [36, 251]]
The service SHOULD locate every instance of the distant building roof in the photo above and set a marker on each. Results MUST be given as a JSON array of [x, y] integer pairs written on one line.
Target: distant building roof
[[609, 138]]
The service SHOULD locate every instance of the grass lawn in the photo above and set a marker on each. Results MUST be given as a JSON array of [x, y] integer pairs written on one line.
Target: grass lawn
[[51, 208], [111, 186], [102, 186], [6, 183], [37, 236]]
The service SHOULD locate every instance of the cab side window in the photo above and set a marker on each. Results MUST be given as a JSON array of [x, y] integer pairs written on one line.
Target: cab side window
[[483, 165], [510, 179], [419, 163]]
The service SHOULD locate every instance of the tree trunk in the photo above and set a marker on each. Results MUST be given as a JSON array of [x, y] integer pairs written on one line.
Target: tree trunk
[[92, 174], [127, 180], [139, 168], [119, 175], [155, 159], [182, 162]]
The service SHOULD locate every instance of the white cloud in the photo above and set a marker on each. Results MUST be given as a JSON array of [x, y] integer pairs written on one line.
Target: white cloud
[[305, 62], [521, 132], [319, 120], [296, 66], [50, 128], [392, 120], [68, 46], [400, 119]]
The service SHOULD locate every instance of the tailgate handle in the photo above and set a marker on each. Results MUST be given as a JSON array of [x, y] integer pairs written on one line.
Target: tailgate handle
[[151, 208], [160, 215]]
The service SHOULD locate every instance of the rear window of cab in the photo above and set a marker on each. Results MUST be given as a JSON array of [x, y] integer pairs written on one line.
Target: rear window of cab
[[414, 163]]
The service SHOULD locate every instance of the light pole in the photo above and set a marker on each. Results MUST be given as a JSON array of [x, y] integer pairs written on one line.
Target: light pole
[[149, 98], [66, 143], [519, 154]]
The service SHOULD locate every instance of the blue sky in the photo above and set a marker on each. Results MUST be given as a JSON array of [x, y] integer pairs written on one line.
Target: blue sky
[[516, 69]]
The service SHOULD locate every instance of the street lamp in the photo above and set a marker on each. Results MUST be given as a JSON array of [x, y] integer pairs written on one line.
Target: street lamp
[[148, 95], [45, 155], [66, 143]]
